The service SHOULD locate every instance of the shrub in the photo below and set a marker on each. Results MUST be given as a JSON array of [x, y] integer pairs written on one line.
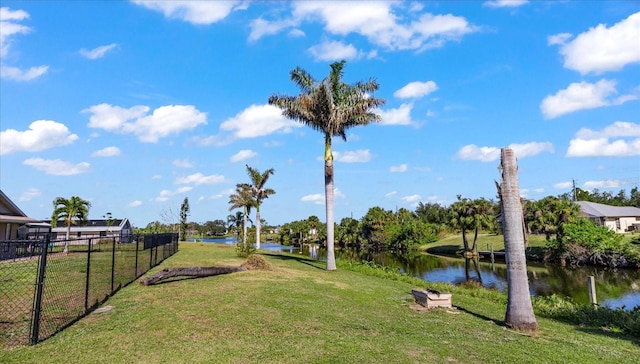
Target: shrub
[[609, 319]]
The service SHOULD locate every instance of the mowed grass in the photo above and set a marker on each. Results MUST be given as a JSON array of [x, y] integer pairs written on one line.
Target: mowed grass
[[300, 313]]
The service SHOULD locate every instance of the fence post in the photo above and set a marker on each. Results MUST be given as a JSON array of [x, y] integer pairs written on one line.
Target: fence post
[[154, 238], [113, 262], [591, 284], [86, 285], [137, 247], [42, 268]]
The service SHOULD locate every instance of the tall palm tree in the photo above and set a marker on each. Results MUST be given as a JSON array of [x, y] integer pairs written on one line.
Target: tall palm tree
[[69, 210], [242, 199], [259, 193], [331, 107], [519, 314]]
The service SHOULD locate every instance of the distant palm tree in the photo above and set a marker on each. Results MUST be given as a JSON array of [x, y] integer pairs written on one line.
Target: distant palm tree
[[69, 210], [242, 199], [234, 222], [259, 193], [330, 106]]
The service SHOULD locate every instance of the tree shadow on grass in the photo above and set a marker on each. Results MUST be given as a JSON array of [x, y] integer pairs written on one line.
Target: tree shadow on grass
[[304, 260], [481, 316]]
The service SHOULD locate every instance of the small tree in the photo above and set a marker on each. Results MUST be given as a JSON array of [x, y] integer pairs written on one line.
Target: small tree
[[70, 211], [184, 213]]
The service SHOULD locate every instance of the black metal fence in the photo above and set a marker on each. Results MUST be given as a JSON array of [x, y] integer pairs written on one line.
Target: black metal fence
[[43, 290]]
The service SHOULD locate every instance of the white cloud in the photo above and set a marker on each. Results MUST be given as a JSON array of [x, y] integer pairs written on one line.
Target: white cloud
[[416, 89], [563, 185], [165, 120], [29, 194], [258, 120], [610, 183], [504, 3], [57, 167], [8, 29], [560, 38], [489, 154], [183, 163], [317, 198], [377, 21], [400, 168], [165, 195], [261, 27], [42, 135], [390, 194], [135, 203], [581, 96], [16, 74], [593, 143], [398, 116], [412, 198], [242, 155], [332, 51], [97, 52], [353, 156], [602, 49], [200, 179], [106, 152], [195, 12]]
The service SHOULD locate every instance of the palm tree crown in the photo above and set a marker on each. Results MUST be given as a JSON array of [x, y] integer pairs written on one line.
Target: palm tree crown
[[331, 107]]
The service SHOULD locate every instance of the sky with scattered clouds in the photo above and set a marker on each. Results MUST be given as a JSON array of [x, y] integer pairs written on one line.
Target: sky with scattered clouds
[[135, 105]]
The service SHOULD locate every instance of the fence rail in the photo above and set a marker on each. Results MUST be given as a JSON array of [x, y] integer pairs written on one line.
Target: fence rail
[[43, 290]]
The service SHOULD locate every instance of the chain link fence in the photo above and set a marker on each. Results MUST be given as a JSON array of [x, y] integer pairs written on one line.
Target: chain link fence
[[43, 290]]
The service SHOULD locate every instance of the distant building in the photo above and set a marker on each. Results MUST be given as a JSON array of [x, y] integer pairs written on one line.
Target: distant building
[[120, 228], [617, 218]]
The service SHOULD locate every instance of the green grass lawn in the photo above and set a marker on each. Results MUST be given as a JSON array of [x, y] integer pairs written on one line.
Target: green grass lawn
[[300, 313]]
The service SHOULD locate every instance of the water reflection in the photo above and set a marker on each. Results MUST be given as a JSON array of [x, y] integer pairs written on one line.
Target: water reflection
[[614, 287]]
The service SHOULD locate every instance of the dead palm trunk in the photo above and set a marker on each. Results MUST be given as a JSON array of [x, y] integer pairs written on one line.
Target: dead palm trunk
[[519, 314]]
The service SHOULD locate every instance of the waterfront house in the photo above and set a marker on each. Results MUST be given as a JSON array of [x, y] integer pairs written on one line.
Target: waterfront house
[[620, 219]]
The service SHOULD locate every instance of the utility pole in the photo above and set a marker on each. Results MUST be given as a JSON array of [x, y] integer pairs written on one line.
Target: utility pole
[[575, 197]]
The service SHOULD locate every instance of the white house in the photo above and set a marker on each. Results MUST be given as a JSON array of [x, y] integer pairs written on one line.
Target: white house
[[120, 228], [617, 218]]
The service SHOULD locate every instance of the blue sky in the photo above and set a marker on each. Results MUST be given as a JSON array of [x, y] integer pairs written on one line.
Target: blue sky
[[136, 105]]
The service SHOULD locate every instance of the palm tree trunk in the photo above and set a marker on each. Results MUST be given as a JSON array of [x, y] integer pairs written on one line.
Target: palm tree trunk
[[66, 241], [328, 193], [258, 227], [244, 229], [519, 314]]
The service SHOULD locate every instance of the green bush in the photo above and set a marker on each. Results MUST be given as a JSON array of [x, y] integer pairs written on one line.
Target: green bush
[[583, 242], [610, 319]]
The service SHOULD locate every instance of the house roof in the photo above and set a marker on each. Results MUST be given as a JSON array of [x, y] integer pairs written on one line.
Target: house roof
[[10, 213], [93, 226], [593, 209]]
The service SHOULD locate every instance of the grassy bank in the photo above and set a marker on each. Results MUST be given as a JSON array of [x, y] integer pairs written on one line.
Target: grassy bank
[[452, 244], [300, 313]]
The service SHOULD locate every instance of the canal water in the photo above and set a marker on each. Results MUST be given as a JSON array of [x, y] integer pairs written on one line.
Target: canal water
[[614, 287]]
